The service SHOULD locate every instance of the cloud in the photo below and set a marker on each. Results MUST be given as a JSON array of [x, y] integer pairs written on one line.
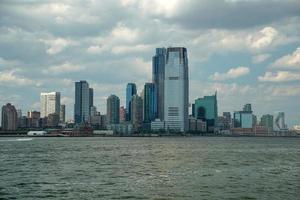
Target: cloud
[[291, 61], [56, 45], [10, 78], [260, 58], [263, 39], [230, 74], [280, 76], [63, 68]]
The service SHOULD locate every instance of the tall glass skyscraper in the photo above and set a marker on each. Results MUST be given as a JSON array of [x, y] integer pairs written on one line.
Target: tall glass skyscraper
[[176, 90], [91, 99], [150, 104], [130, 91], [82, 102], [158, 76], [113, 110]]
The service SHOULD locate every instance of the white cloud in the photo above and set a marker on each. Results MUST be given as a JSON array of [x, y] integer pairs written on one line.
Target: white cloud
[[96, 49], [123, 33], [263, 38], [63, 68], [11, 78], [280, 76], [56, 45], [291, 61], [131, 49], [260, 58], [230, 74]]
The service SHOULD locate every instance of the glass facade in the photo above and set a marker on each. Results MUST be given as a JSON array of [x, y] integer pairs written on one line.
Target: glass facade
[[130, 91], [82, 102], [113, 109], [150, 103]]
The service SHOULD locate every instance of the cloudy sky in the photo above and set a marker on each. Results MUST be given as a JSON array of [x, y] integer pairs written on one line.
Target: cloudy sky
[[247, 50]]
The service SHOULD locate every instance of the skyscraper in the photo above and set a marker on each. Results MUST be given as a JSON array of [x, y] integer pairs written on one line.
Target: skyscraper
[[50, 103], [113, 110], [130, 91], [136, 112], [9, 118], [158, 76], [150, 104], [279, 121], [267, 121], [122, 114], [62, 115], [247, 107], [206, 109], [91, 99], [176, 90], [82, 102]]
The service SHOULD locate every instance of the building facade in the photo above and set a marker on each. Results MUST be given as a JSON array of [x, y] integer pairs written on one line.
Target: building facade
[[9, 118], [137, 112], [158, 77], [267, 121], [130, 91], [150, 104], [82, 102], [113, 110], [62, 115], [176, 90], [50, 103]]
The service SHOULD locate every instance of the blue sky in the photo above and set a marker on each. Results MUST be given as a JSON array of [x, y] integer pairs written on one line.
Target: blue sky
[[246, 50]]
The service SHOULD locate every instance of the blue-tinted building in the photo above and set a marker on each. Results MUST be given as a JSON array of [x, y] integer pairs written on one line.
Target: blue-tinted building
[[243, 119], [206, 109], [158, 75], [130, 91], [150, 102], [82, 102]]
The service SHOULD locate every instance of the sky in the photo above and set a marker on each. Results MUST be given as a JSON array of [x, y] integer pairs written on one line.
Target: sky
[[246, 50]]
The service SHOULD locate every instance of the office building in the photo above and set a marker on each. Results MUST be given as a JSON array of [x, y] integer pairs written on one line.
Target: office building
[[50, 103], [206, 109], [247, 107], [136, 112], [158, 77], [62, 115], [91, 100], [82, 102], [122, 114], [9, 118], [176, 90], [52, 120], [267, 121], [130, 91], [243, 119], [113, 110], [33, 118], [150, 104]]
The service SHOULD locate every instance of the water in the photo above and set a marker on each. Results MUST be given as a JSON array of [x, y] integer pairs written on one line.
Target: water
[[150, 168]]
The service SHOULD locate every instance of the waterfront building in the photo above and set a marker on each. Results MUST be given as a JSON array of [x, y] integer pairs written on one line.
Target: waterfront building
[[176, 90], [62, 115], [150, 104], [137, 112], [197, 125], [279, 122], [158, 77], [113, 110], [9, 118], [82, 102], [130, 91], [158, 125], [50, 103], [206, 109], [91, 100], [52, 120], [33, 118], [267, 121], [122, 114], [243, 119]]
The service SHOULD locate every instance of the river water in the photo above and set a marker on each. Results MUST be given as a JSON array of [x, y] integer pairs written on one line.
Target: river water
[[150, 168]]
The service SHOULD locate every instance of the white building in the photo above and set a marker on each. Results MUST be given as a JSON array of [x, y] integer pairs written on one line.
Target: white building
[[176, 90], [50, 103]]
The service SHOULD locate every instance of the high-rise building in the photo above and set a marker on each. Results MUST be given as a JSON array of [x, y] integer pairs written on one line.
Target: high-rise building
[[267, 121], [279, 122], [122, 114], [247, 107], [150, 104], [50, 103], [130, 91], [136, 112], [206, 109], [62, 115], [82, 102], [91, 99], [33, 119], [176, 90], [158, 77], [9, 118], [243, 119], [113, 110]]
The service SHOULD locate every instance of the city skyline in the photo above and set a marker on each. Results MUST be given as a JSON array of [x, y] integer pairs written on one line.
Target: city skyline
[[256, 60]]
